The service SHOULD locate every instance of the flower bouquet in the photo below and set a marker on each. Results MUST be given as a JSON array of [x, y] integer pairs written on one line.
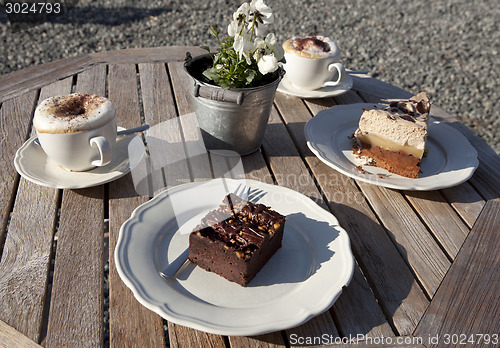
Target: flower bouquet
[[233, 89], [246, 58]]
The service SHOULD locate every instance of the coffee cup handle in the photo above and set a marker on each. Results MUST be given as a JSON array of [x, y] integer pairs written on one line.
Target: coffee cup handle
[[340, 76], [104, 148]]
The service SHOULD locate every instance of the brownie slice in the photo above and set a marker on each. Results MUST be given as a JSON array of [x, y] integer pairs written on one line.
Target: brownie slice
[[237, 239]]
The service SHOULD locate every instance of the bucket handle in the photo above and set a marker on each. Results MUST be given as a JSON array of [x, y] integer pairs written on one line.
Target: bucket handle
[[222, 95]]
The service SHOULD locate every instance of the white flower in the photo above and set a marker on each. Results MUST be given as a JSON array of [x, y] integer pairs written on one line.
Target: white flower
[[259, 17], [267, 64], [266, 47], [242, 13], [259, 29], [243, 46], [233, 28], [261, 11], [276, 49]]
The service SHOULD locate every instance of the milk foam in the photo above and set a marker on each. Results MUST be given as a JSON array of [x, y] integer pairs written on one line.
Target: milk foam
[[312, 46], [72, 113]]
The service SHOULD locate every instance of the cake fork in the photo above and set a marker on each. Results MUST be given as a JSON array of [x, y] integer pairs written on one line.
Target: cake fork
[[245, 193]]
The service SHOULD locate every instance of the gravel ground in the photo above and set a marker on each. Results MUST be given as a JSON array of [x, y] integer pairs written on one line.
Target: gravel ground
[[446, 47]]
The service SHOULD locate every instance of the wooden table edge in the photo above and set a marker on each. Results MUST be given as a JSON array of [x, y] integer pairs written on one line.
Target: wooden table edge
[[21, 81], [10, 337]]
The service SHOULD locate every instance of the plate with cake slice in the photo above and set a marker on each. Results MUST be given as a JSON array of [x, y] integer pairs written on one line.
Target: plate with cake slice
[[398, 146], [257, 267]]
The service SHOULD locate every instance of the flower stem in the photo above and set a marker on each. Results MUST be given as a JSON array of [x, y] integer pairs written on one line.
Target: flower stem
[[253, 27]]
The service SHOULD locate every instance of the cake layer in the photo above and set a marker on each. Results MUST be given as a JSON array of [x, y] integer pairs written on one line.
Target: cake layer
[[402, 122], [216, 256], [374, 140], [396, 162]]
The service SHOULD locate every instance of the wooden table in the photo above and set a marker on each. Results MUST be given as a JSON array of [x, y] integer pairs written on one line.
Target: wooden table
[[427, 263]]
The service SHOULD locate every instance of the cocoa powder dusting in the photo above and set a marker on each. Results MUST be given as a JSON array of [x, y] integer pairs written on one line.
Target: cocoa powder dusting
[[304, 43], [76, 106]]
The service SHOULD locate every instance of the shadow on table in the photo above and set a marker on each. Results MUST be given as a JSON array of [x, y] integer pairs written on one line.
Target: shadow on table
[[305, 249], [382, 279]]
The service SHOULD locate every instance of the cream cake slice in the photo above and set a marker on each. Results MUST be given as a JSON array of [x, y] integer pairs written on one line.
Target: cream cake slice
[[394, 137]]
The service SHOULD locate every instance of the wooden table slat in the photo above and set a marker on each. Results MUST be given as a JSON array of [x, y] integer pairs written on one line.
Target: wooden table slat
[[26, 256], [409, 235], [15, 124], [357, 312], [271, 340], [130, 323], [10, 337], [200, 167], [441, 219], [146, 54], [167, 155], [467, 303], [198, 160], [466, 202], [76, 308], [365, 85], [289, 171], [313, 328]]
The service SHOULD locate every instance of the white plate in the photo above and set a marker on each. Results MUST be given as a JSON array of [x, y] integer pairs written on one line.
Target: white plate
[[286, 87], [450, 161], [32, 163], [303, 278]]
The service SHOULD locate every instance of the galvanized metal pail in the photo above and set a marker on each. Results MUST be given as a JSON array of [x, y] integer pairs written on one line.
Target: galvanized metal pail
[[233, 119]]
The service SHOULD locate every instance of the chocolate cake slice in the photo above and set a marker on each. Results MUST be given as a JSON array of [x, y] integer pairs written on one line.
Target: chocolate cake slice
[[237, 239], [394, 137]]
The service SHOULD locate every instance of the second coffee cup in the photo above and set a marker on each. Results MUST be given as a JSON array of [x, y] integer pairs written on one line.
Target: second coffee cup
[[312, 62]]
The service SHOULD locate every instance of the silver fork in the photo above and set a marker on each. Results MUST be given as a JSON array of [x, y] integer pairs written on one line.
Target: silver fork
[[245, 193]]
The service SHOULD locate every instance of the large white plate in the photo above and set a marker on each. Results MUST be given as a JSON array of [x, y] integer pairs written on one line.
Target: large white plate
[[303, 278], [32, 163], [450, 161]]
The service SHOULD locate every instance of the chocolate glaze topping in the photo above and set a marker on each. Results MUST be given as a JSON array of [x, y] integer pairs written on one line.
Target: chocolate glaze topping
[[240, 224], [410, 110]]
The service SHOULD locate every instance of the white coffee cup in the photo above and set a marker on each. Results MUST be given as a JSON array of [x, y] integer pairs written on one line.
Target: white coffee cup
[[313, 62], [77, 131]]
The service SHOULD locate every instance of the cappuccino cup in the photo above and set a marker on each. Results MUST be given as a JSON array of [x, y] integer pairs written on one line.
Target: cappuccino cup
[[312, 62], [77, 131]]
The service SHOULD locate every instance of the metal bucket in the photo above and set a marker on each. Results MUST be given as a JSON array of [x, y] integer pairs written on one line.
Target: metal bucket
[[233, 119]]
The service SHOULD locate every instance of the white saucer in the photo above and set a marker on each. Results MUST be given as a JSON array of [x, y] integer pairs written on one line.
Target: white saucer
[[287, 87], [32, 163]]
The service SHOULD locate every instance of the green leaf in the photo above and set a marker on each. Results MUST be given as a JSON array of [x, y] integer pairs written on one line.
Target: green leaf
[[213, 30], [250, 75]]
